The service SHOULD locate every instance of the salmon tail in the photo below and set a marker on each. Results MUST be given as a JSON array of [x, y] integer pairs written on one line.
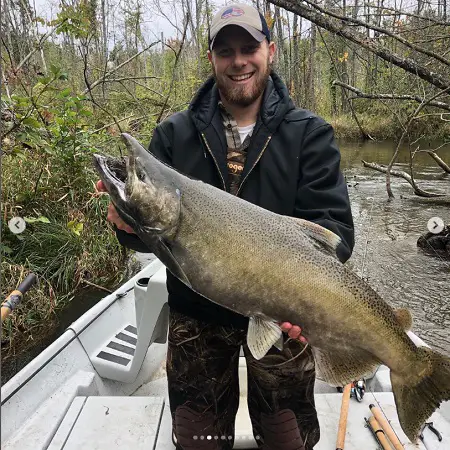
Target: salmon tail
[[417, 400]]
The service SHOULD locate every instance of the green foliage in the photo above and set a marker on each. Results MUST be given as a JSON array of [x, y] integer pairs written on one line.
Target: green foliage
[[53, 124], [75, 227], [48, 179], [77, 20], [41, 219]]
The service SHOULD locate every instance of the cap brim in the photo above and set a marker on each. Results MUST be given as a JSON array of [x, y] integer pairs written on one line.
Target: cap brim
[[256, 34]]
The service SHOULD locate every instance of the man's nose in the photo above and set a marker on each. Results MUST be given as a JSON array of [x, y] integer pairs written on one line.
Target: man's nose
[[240, 60]]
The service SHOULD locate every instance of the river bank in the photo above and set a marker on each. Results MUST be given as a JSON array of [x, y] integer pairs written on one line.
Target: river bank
[[384, 127]]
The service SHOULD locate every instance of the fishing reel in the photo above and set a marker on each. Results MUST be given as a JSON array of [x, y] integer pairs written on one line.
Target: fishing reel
[[358, 389]]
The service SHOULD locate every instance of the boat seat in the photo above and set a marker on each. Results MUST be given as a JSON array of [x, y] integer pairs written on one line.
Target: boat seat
[[120, 357]]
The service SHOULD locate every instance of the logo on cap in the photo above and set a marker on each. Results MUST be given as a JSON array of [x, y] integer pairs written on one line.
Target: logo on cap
[[230, 12]]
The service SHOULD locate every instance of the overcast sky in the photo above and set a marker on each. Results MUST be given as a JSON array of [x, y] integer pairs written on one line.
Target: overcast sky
[[153, 24]]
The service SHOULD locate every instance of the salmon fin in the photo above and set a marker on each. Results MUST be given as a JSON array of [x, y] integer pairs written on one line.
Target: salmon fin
[[417, 401], [404, 318], [321, 234], [261, 336], [340, 366], [164, 253], [279, 344]]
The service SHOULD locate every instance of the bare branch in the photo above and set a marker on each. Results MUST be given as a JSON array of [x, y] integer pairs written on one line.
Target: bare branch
[[341, 28], [398, 12], [401, 174], [115, 69], [440, 162], [360, 94], [89, 86], [38, 46], [380, 30], [177, 57], [120, 80], [402, 137], [364, 134]]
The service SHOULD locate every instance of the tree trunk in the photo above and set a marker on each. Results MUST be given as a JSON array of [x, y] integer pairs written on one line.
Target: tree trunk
[[312, 69], [295, 62], [104, 30]]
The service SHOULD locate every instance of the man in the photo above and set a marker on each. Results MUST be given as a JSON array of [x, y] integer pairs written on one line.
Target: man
[[242, 133]]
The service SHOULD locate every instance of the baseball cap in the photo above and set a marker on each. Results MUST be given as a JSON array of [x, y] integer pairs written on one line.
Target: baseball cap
[[245, 16]]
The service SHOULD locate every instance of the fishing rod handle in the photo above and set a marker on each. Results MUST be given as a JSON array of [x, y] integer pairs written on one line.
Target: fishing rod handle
[[386, 426], [379, 433], [27, 283], [15, 297], [342, 427]]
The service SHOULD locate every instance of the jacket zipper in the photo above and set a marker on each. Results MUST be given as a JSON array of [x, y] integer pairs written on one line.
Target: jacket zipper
[[256, 162], [215, 161]]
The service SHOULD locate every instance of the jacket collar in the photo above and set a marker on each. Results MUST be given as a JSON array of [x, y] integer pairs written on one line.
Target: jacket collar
[[206, 115]]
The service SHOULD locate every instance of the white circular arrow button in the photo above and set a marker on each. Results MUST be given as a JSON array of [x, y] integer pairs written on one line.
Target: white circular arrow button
[[435, 225], [17, 225]]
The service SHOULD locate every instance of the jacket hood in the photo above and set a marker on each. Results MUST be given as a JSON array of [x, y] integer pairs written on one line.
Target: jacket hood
[[275, 105]]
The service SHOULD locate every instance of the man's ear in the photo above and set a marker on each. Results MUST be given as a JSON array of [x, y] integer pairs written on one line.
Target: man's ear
[[209, 55], [272, 50]]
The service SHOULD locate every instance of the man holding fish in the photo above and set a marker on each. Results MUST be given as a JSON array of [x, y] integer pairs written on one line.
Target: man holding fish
[[243, 134]]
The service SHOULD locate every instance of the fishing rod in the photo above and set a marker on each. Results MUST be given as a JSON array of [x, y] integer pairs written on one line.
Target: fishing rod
[[342, 428], [16, 296], [378, 433], [386, 427]]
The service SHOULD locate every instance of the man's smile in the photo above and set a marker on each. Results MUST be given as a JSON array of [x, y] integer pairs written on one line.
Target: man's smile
[[241, 78]]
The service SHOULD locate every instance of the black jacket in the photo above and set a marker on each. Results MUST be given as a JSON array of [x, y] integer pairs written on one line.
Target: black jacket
[[292, 168]]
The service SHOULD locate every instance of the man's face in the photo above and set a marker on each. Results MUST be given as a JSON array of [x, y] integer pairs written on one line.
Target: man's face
[[241, 65]]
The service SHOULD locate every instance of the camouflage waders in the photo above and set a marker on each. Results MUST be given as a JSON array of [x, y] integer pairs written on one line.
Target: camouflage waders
[[202, 372]]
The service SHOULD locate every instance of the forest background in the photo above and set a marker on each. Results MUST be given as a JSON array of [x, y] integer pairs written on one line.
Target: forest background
[[75, 74]]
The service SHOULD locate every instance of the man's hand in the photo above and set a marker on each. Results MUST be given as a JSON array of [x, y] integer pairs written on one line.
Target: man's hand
[[293, 331], [113, 215]]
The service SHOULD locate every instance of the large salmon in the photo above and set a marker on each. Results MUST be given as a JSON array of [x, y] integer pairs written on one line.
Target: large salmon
[[273, 268]]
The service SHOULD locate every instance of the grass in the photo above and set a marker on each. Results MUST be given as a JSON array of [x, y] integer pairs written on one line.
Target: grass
[[67, 240]]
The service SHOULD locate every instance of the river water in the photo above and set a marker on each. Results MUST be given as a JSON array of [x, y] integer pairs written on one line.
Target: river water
[[385, 253]]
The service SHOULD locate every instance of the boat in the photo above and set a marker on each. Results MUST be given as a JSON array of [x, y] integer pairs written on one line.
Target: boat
[[102, 385]]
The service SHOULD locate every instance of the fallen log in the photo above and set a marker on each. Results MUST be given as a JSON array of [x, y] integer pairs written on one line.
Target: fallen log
[[406, 176]]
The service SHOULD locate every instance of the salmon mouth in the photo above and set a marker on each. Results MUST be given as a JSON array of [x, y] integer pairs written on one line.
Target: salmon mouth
[[113, 173]]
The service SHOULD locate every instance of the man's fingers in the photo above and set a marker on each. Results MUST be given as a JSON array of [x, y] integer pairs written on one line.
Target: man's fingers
[[121, 225], [100, 186], [125, 227], [295, 332], [285, 326], [113, 216]]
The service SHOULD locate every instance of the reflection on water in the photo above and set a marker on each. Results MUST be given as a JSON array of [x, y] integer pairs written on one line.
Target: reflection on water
[[386, 253]]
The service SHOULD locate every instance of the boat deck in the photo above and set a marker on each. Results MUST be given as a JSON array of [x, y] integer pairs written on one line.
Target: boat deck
[[107, 423], [143, 421]]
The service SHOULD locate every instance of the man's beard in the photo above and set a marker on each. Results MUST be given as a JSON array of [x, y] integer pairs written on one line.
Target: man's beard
[[240, 95]]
